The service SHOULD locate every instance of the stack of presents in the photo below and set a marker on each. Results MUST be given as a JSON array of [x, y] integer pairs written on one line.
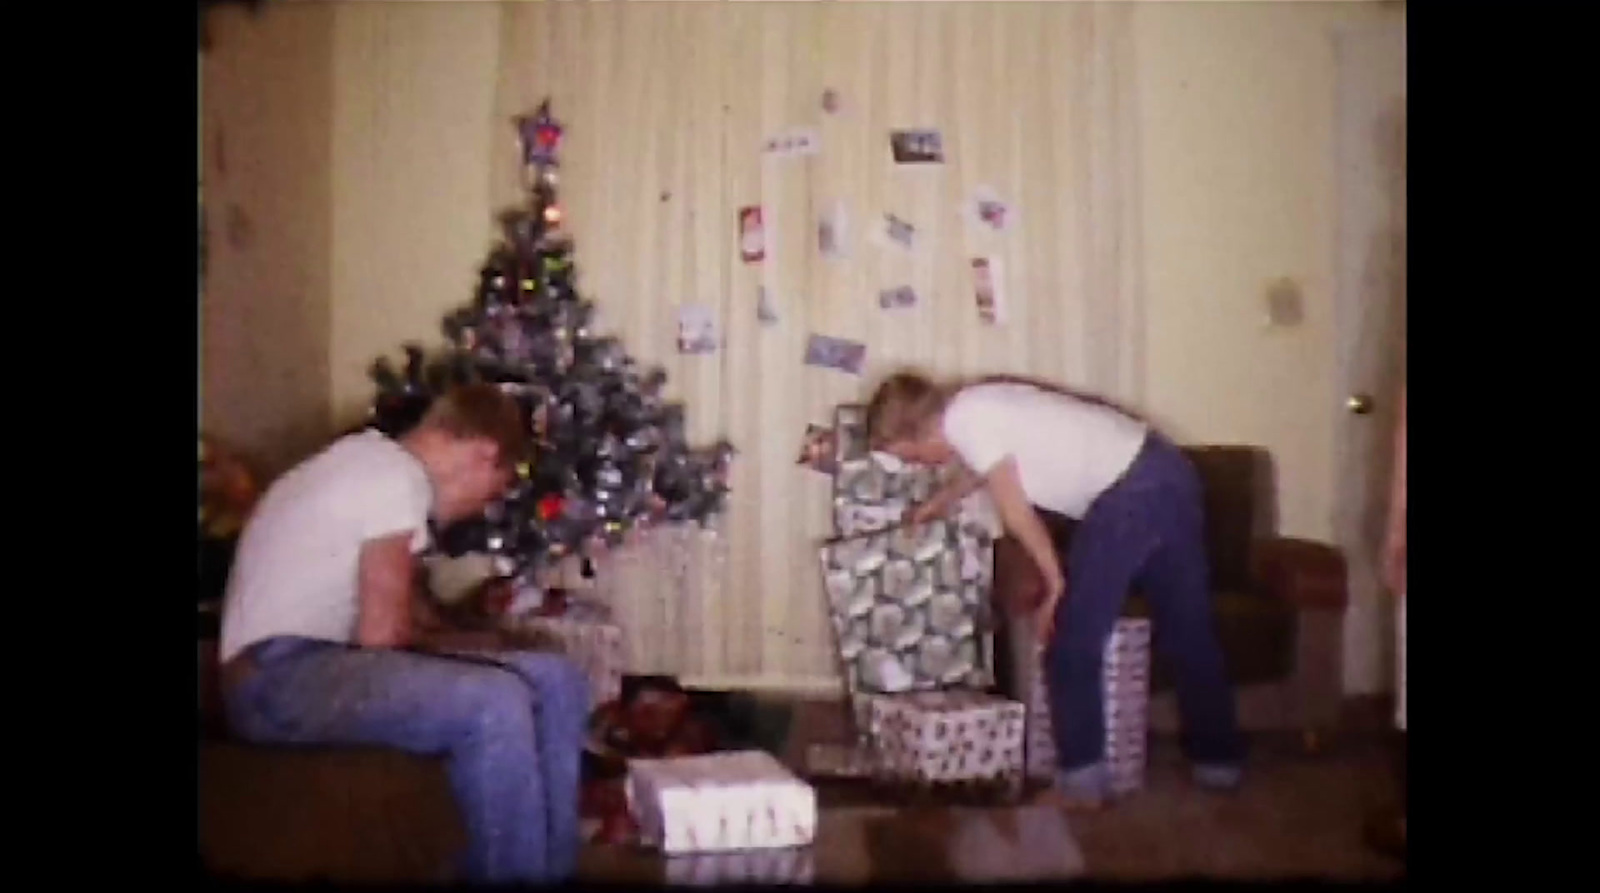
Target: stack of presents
[[915, 634], [915, 630]]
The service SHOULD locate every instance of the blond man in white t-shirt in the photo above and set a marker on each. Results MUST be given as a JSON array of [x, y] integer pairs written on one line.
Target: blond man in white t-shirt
[[321, 643], [1141, 521]]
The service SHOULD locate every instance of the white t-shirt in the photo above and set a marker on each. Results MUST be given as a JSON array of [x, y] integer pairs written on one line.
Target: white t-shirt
[[1068, 451], [295, 569]]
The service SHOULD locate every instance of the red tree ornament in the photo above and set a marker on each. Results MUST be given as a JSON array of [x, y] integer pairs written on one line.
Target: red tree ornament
[[550, 507]]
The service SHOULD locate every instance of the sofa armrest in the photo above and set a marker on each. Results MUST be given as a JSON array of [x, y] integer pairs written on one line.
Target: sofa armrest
[[1303, 573]]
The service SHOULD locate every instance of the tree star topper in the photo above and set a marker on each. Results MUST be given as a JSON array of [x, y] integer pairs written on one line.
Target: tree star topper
[[541, 137]]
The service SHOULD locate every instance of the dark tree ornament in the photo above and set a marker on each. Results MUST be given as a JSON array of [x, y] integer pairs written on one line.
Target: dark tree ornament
[[611, 456]]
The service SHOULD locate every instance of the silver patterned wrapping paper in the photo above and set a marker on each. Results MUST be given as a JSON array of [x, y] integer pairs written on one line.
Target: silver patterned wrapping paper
[[940, 737], [721, 802], [910, 608]]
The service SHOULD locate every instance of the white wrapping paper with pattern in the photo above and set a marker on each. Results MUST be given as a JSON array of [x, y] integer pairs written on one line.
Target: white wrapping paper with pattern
[[742, 800], [1125, 687], [787, 866], [934, 737], [1126, 683], [594, 645]]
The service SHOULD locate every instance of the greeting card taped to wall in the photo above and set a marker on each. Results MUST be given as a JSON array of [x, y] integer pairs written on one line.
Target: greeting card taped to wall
[[833, 232], [766, 308], [842, 354], [793, 143], [900, 297], [895, 233], [986, 210], [988, 290], [752, 235], [697, 329]]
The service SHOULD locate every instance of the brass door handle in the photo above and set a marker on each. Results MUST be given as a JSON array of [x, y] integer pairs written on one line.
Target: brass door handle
[[1359, 404]]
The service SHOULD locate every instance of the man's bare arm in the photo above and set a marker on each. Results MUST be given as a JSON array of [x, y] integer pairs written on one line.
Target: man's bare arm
[[1023, 521], [960, 485], [939, 504], [384, 579]]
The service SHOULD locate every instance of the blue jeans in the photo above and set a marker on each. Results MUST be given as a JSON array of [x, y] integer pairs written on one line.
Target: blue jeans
[[1147, 530], [510, 725]]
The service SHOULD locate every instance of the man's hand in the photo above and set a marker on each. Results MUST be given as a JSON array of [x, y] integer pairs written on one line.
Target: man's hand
[[1022, 520], [1055, 586], [924, 512]]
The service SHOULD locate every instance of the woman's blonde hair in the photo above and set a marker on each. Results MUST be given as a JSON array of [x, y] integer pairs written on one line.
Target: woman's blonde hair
[[903, 407]]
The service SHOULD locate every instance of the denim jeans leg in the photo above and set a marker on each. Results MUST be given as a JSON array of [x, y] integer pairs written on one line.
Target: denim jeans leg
[[1108, 549], [1177, 584], [475, 715], [561, 703]]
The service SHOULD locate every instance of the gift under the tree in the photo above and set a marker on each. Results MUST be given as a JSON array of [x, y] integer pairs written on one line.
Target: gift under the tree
[[794, 865], [587, 635], [909, 608], [1125, 688], [934, 738], [740, 800]]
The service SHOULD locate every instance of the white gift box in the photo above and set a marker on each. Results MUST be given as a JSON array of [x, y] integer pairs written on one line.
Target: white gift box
[[1125, 688], [786, 866], [743, 800], [937, 737]]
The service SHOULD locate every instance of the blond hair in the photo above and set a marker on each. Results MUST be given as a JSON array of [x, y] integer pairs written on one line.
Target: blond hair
[[903, 407], [481, 410]]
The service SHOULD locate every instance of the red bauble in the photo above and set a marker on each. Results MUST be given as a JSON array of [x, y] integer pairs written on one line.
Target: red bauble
[[550, 507]]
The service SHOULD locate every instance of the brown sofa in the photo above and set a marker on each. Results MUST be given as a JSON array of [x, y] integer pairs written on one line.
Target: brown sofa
[[1279, 601], [307, 814]]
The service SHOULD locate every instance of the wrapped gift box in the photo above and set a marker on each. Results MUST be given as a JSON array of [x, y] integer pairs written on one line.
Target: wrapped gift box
[[872, 491], [1126, 691], [1126, 684], [743, 800], [940, 737], [588, 636], [909, 608], [761, 867]]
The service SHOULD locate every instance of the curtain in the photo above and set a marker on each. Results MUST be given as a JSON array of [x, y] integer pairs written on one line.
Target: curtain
[[666, 106]]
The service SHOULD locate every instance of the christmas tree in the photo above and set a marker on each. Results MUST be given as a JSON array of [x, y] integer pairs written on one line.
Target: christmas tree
[[611, 452]]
